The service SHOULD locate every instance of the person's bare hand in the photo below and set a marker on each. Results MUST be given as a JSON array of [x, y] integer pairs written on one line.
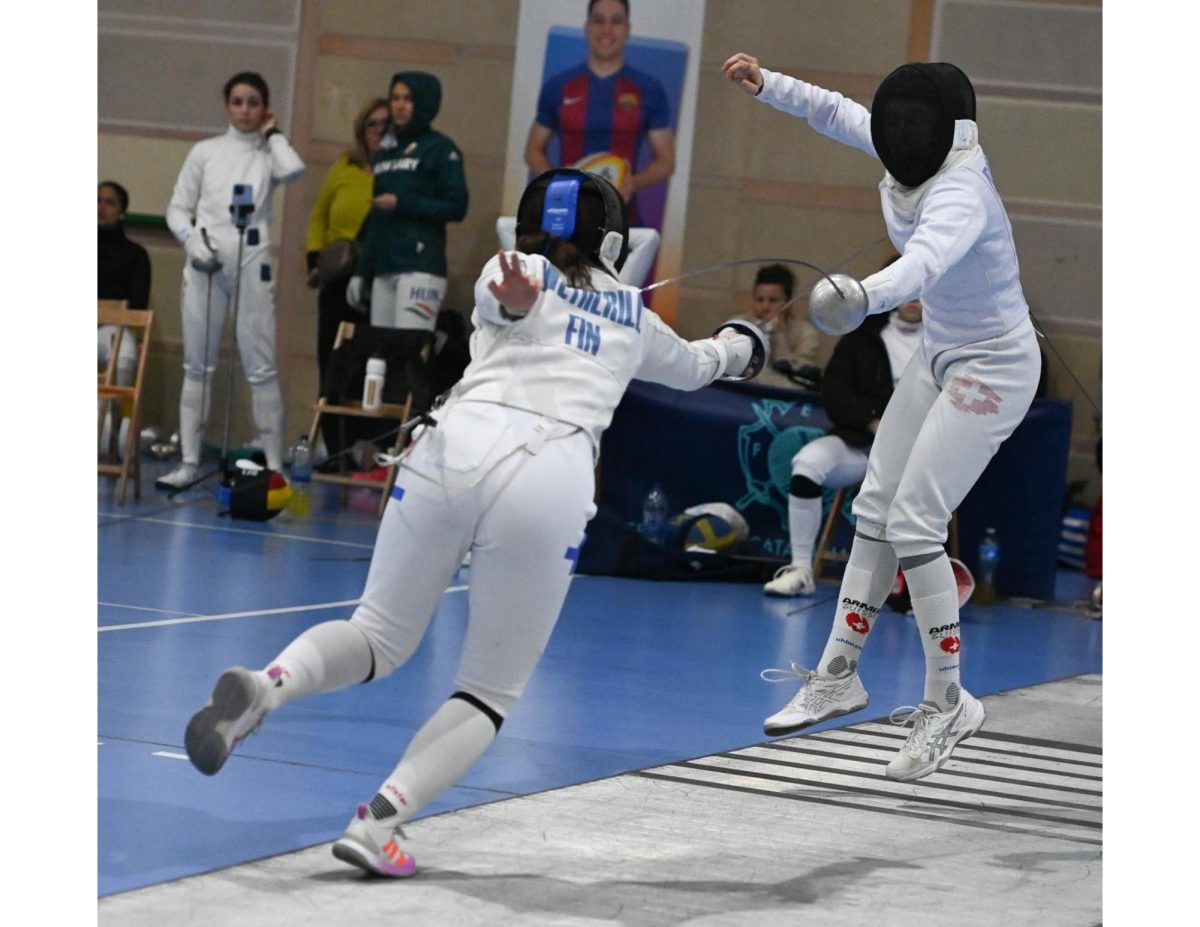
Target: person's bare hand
[[268, 122], [516, 290], [744, 71], [385, 201], [627, 188]]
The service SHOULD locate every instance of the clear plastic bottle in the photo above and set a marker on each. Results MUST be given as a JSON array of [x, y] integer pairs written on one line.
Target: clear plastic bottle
[[299, 503], [654, 514], [989, 562]]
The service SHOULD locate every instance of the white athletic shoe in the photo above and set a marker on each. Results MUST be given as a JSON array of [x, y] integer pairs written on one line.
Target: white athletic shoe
[[820, 697], [178, 478], [375, 846], [790, 580], [934, 735], [236, 709]]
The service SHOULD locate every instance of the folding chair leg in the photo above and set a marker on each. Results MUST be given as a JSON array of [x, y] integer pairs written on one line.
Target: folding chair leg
[[827, 532]]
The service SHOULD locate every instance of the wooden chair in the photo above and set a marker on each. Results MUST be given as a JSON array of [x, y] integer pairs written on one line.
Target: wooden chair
[[325, 406], [825, 556], [111, 396]]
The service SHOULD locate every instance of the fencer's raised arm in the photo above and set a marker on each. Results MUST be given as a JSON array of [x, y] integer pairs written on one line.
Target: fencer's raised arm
[[286, 163], [827, 111], [507, 289]]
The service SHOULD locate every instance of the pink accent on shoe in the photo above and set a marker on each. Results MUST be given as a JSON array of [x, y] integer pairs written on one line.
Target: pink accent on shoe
[[275, 671], [361, 813]]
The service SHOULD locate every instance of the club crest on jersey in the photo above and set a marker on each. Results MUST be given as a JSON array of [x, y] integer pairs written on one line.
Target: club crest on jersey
[[970, 395]]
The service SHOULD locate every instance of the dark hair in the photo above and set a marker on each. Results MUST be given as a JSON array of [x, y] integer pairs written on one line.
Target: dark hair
[[251, 79], [358, 154], [592, 3], [777, 274], [122, 193], [574, 264]]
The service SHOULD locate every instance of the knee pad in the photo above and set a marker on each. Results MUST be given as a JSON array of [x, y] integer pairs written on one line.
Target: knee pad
[[483, 707], [260, 376], [803, 488]]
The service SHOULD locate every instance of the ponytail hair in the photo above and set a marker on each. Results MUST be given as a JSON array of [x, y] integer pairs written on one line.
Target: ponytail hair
[[574, 264]]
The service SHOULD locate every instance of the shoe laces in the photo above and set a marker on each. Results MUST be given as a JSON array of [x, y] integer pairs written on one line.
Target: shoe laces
[[815, 687], [784, 570], [919, 716], [787, 675]]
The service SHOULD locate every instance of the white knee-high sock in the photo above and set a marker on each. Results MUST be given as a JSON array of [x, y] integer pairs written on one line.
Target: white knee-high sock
[[194, 403], [804, 521], [266, 404], [445, 747], [326, 657], [869, 577], [935, 606]]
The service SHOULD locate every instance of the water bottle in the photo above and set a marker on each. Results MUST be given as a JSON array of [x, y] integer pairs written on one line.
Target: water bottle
[[373, 384], [654, 514], [989, 561], [299, 503]]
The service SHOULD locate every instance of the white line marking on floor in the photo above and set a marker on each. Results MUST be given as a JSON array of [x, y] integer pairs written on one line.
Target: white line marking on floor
[[252, 614], [262, 534], [170, 756], [143, 608]]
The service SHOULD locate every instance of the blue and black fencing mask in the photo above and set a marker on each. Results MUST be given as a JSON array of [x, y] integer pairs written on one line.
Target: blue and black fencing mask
[[913, 116], [579, 207]]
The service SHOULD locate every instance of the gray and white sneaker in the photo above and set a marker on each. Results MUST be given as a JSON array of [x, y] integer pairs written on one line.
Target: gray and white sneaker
[[820, 698], [793, 579], [236, 709], [178, 478], [934, 735], [376, 845]]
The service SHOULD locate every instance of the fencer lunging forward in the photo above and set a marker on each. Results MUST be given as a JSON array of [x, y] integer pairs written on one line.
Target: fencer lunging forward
[[505, 473], [252, 151], [969, 385]]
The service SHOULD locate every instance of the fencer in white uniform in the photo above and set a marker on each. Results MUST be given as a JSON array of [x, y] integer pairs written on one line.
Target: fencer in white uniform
[[505, 470], [964, 393], [253, 152]]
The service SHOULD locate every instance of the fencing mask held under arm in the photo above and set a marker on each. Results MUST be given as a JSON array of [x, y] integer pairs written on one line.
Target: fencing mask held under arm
[[913, 115]]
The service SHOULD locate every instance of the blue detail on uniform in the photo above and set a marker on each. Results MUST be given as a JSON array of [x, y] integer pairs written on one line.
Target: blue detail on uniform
[[622, 306], [558, 209], [584, 334], [397, 493], [572, 554], [264, 273], [252, 237]]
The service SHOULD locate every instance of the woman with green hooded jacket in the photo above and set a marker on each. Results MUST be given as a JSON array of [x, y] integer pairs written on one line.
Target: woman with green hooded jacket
[[419, 186]]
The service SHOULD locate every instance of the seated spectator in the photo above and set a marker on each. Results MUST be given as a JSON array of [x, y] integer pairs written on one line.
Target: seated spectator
[[795, 341], [858, 382], [124, 271]]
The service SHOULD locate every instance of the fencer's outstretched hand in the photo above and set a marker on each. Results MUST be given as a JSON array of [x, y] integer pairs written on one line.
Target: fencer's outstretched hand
[[516, 291], [744, 71]]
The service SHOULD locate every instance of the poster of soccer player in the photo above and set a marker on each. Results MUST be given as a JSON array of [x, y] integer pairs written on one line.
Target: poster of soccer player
[[610, 86]]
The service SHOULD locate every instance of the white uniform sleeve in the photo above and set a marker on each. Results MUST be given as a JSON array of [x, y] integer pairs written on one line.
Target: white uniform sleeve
[[827, 111], [285, 162], [182, 208], [486, 305], [679, 364], [952, 219]]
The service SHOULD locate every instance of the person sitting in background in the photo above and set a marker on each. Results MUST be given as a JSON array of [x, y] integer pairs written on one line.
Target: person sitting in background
[[795, 341], [858, 382], [336, 219], [124, 271]]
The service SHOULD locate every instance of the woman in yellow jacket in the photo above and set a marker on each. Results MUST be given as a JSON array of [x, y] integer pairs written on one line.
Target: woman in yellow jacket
[[338, 214]]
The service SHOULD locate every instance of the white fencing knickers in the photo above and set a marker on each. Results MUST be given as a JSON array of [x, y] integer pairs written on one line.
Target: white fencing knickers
[[942, 426], [517, 492], [256, 344]]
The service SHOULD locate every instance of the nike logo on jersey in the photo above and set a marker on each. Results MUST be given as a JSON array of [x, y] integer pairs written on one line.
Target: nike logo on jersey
[[571, 101]]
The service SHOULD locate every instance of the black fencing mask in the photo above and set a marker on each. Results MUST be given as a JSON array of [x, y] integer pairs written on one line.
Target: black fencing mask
[[913, 115]]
